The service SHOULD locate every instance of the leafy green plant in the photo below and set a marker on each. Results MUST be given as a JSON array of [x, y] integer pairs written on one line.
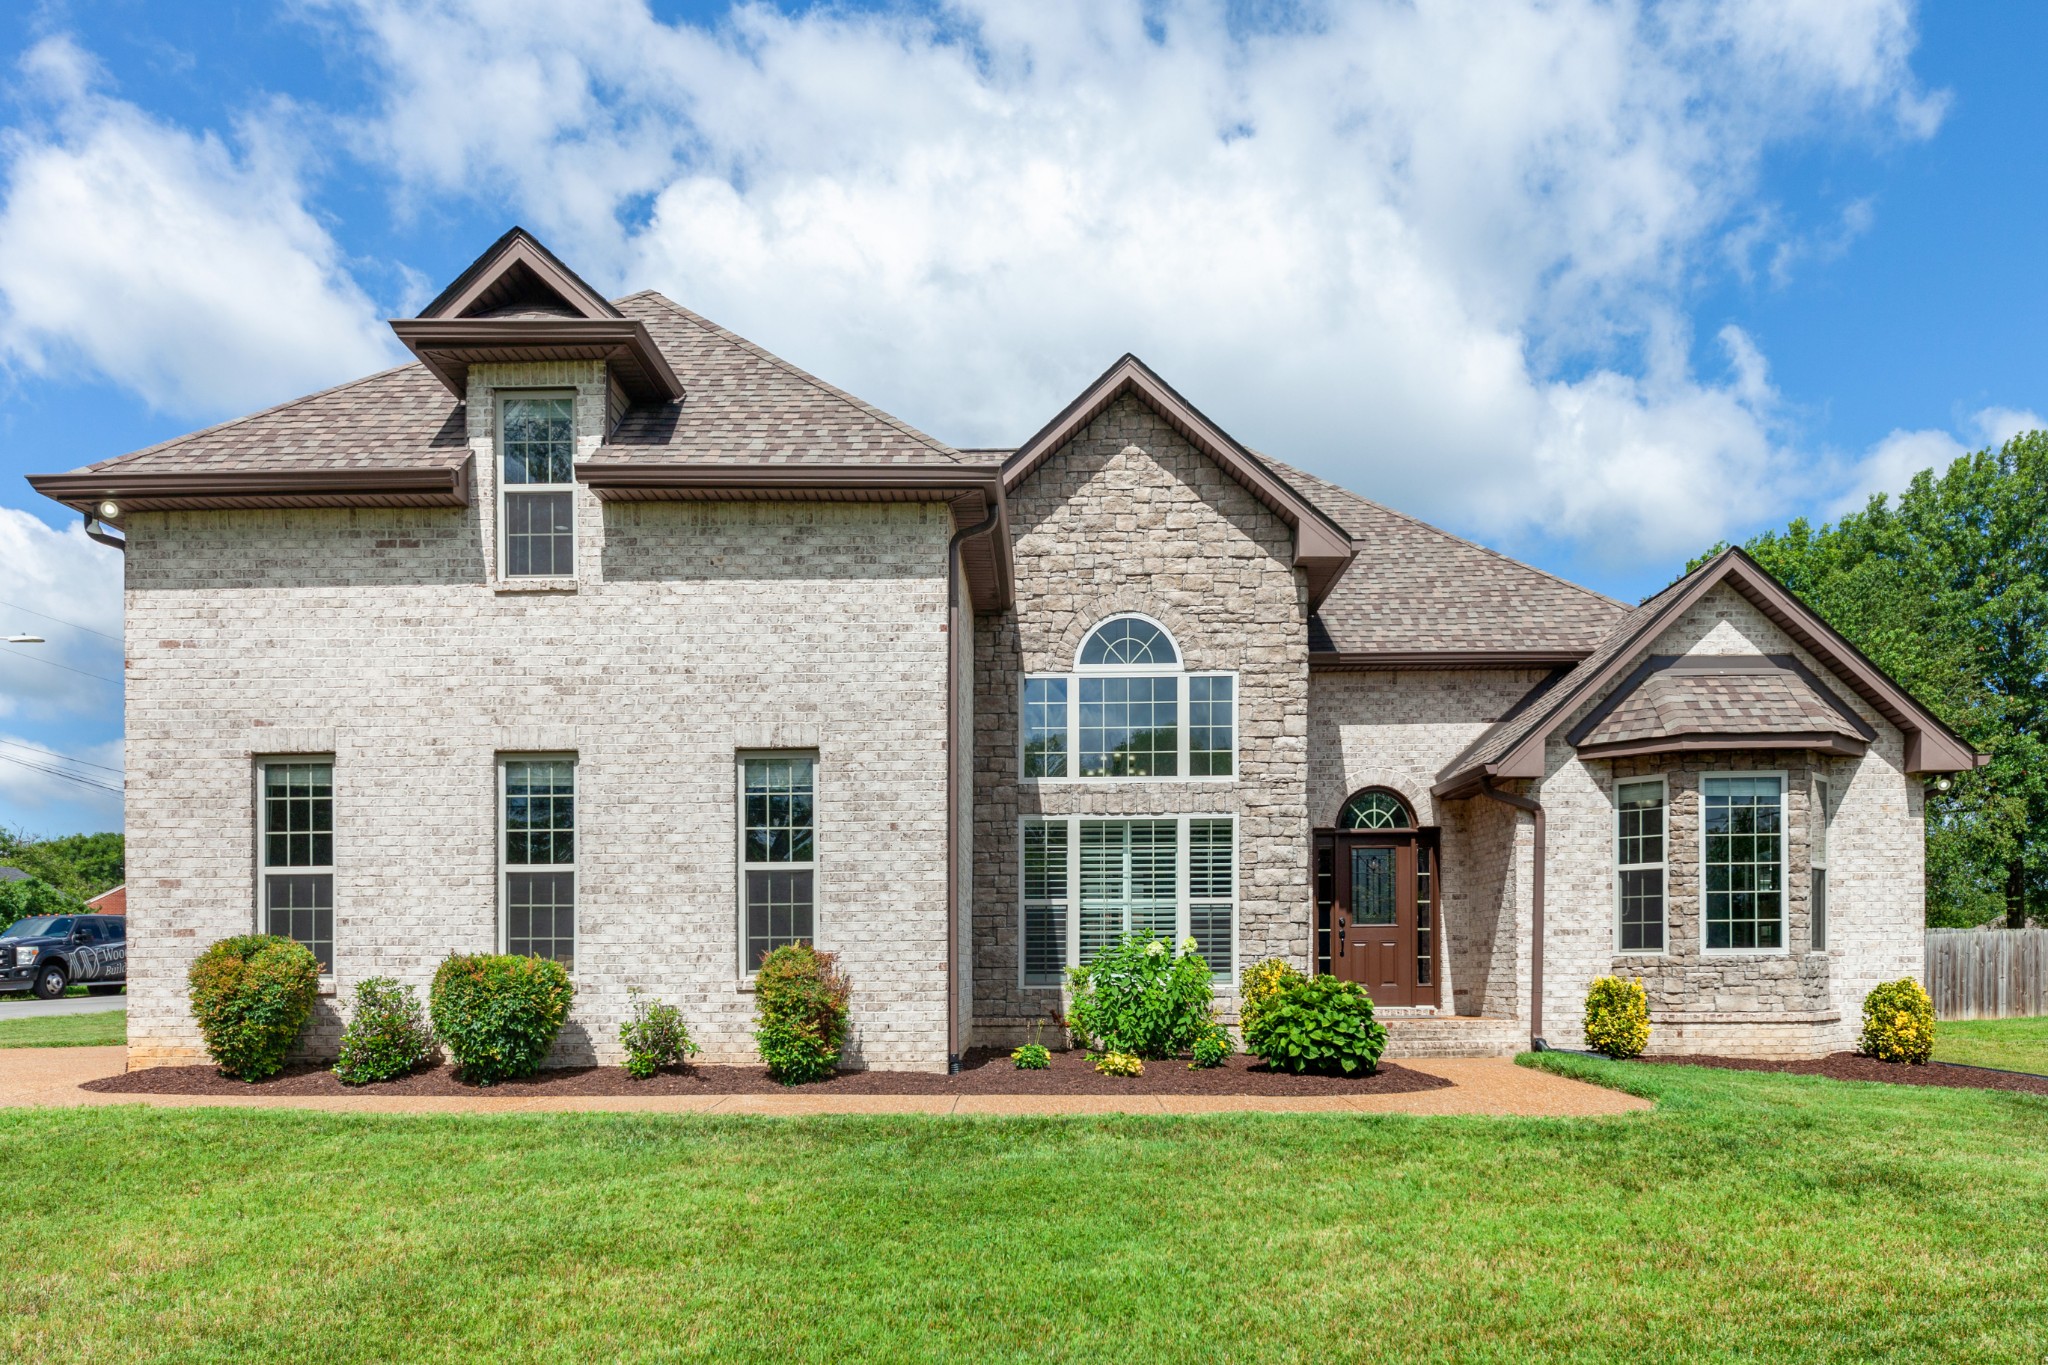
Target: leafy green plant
[[1032, 1057], [251, 994], [1142, 998], [1617, 1017], [499, 1015], [1898, 1023], [1262, 983], [800, 1013], [654, 1037], [26, 897], [387, 1035], [1321, 1024], [1119, 1064], [1212, 1049]]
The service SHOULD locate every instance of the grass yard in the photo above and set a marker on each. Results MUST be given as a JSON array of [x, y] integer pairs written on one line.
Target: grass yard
[[105, 1028], [1751, 1216], [2011, 1044]]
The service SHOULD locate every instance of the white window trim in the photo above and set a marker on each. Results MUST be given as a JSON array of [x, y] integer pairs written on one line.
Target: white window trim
[[1183, 900], [1182, 710], [1663, 865], [1784, 948], [261, 914], [1820, 815], [739, 852], [505, 574], [574, 868], [1180, 658]]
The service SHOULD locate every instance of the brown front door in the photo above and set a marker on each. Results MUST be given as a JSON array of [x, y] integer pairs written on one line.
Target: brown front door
[[1382, 917]]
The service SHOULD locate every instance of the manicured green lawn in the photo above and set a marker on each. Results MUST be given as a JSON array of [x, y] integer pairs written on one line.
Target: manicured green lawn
[[1752, 1217], [106, 1028], [2012, 1044]]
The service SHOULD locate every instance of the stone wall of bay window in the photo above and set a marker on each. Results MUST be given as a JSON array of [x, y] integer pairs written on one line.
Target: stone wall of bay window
[[1128, 517]]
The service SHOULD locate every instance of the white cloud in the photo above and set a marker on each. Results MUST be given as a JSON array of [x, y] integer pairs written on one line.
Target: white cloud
[[47, 574], [1891, 464], [1436, 251], [166, 261]]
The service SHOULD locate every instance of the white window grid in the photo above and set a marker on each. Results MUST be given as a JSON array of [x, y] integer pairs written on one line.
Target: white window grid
[[507, 868], [1661, 865], [1071, 730], [1783, 947], [1202, 890], [292, 865], [508, 491], [743, 864], [1822, 816]]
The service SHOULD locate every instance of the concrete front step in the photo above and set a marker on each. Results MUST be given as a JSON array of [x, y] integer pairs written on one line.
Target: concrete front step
[[1454, 1035]]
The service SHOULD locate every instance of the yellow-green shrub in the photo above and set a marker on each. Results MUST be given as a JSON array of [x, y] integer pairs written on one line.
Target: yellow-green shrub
[[1262, 984], [1119, 1064], [1898, 1023], [1617, 1017]]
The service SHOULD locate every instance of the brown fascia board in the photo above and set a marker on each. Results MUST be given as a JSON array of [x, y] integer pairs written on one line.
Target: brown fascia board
[[1816, 741], [434, 340], [521, 247], [1440, 660], [1322, 548], [405, 486]]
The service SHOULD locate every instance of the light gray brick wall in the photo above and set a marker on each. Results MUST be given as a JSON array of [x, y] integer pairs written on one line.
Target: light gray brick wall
[[1128, 517], [695, 631]]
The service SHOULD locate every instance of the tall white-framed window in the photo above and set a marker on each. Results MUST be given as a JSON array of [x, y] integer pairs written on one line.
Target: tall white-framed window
[[778, 853], [1823, 816], [1742, 862], [1639, 866], [1089, 882], [537, 856], [537, 485], [295, 837], [1129, 710]]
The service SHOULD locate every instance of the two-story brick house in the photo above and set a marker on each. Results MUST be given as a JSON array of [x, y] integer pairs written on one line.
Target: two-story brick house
[[600, 633]]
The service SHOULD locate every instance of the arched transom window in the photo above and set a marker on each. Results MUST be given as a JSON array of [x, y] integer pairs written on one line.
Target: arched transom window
[[1376, 808], [1129, 710]]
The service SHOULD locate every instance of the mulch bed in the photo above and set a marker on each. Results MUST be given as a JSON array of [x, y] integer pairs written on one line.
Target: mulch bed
[[982, 1072], [1854, 1066]]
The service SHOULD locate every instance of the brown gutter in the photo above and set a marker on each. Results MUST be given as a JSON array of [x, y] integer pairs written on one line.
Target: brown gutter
[[155, 491], [1534, 806], [617, 478], [1388, 660], [954, 748]]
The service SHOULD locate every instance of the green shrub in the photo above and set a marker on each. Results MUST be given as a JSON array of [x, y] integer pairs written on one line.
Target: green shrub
[[1617, 1017], [654, 1038], [499, 1015], [1119, 1064], [1898, 1023], [387, 1035], [1211, 1049], [1142, 998], [1320, 1024], [251, 995], [1032, 1057], [27, 897], [1261, 983], [800, 1013]]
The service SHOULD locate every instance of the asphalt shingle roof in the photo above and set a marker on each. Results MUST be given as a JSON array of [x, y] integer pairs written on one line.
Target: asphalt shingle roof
[[1761, 702]]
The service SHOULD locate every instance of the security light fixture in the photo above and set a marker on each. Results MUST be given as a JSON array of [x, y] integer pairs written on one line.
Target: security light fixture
[[110, 510]]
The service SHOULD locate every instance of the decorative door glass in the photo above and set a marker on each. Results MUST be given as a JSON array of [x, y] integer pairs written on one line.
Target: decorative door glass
[[1372, 886]]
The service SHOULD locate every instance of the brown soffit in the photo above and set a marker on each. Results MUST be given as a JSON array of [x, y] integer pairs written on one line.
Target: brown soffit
[[1443, 660], [1322, 548], [516, 253], [1817, 741], [449, 346], [970, 491], [397, 486]]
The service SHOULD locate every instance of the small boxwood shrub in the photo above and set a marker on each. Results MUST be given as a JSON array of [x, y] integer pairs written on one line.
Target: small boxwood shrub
[[654, 1037], [251, 994], [800, 1013], [1617, 1017], [1261, 983], [1211, 1049], [1142, 998], [1321, 1025], [387, 1035], [499, 1015], [1032, 1057], [1119, 1064], [1898, 1023]]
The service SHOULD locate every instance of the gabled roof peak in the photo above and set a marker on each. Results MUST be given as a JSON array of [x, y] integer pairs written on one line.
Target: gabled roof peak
[[518, 275]]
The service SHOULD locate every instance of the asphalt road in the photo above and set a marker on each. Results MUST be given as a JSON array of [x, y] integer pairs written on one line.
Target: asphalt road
[[82, 1004]]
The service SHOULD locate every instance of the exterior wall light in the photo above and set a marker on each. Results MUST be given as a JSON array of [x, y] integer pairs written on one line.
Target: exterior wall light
[[110, 510]]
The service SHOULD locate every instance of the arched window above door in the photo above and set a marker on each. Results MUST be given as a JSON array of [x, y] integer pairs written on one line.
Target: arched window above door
[[1376, 808]]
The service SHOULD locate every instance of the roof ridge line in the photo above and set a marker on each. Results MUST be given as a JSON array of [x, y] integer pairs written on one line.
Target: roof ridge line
[[252, 416], [932, 443]]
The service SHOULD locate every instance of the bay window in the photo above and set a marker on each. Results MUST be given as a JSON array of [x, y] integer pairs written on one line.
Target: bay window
[[1743, 864], [1639, 866]]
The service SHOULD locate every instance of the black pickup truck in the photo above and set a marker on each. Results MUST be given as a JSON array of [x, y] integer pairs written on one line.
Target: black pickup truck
[[47, 953]]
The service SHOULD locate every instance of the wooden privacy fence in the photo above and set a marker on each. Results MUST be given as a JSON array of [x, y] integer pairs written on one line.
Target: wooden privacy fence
[[1987, 973]]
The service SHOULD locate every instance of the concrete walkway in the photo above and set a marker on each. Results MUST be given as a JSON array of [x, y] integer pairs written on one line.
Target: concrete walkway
[[1480, 1085], [69, 1004]]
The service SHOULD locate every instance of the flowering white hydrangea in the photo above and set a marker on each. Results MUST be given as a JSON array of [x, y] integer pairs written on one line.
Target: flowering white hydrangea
[[1154, 948], [1188, 945]]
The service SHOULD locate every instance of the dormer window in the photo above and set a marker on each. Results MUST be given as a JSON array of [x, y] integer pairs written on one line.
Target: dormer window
[[536, 487], [1129, 710]]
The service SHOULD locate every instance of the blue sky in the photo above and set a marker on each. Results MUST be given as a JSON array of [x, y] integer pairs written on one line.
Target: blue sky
[[1598, 284]]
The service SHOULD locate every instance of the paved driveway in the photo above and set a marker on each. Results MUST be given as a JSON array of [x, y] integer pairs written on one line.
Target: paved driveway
[[80, 1004]]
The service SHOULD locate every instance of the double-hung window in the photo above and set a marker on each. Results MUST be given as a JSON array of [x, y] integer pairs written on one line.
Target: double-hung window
[[778, 852], [1129, 710], [1743, 863], [1817, 904], [297, 897], [540, 858], [1089, 883], [1639, 870], [537, 487]]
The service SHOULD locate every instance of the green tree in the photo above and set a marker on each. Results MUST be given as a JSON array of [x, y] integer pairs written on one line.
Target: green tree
[[81, 865], [26, 896], [1947, 591]]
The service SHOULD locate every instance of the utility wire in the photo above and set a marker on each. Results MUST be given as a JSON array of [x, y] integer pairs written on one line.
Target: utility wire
[[59, 772], [52, 753], [62, 622], [52, 663]]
